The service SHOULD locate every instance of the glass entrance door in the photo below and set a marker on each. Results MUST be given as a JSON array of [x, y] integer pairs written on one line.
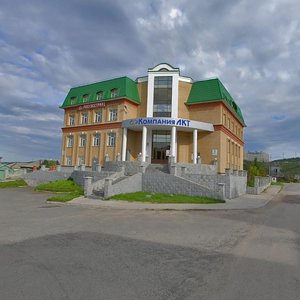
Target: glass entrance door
[[161, 140]]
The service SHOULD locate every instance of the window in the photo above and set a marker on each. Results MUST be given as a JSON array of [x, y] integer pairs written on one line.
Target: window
[[224, 119], [82, 140], [114, 93], [70, 141], [71, 120], [81, 160], [99, 96], [96, 139], [113, 114], [84, 118], [162, 101], [85, 98], [228, 154], [111, 139], [73, 100], [98, 116], [69, 160]]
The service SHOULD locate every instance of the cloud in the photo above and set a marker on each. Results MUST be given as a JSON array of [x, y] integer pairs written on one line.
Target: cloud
[[46, 47]]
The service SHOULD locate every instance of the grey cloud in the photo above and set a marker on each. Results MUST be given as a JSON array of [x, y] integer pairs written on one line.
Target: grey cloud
[[48, 46]]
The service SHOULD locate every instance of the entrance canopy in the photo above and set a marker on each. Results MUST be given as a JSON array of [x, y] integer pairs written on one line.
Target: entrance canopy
[[167, 123]]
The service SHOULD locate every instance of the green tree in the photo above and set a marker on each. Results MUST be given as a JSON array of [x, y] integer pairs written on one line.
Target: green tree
[[255, 169], [49, 163]]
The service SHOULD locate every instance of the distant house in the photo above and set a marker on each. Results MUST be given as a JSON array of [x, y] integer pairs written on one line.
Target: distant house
[[260, 156], [5, 171], [26, 165], [276, 171]]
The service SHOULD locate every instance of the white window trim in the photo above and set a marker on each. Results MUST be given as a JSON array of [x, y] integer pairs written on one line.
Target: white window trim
[[81, 143], [111, 139], [69, 160], [99, 96], [99, 140], [85, 98], [82, 118], [72, 117], [81, 160], [150, 95], [73, 100], [69, 138], [113, 114], [114, 92], [101, 116]]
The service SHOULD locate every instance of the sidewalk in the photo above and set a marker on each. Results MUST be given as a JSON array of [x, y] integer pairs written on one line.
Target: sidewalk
[[244, 202]]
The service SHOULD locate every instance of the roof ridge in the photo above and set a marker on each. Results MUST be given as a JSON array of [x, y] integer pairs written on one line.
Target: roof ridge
[[79, 86], [211, 79]]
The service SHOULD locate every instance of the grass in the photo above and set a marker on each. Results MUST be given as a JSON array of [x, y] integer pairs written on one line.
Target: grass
[[67, 190], [278, 183], [164, 198], [12, 184]]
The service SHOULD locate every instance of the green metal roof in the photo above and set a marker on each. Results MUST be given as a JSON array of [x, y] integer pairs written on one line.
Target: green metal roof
[[210, 91], [3, 167], [127, 88]]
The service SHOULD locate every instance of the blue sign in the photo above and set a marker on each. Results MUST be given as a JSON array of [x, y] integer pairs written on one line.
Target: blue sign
[[160, 121]]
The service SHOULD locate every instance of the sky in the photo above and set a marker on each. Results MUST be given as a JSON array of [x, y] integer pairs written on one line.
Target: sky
[[47, 47]]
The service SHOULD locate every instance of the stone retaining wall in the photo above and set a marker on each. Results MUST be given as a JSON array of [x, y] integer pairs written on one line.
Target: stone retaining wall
[[129, 184], [170, 184], [99, 184], [233, 181], [78, 176], [43, 176], [196, 169], [130, 167], [260, 184], [38, 177]]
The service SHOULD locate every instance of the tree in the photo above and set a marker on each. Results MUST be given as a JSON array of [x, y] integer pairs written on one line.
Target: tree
[[255, 169], [49, 163]]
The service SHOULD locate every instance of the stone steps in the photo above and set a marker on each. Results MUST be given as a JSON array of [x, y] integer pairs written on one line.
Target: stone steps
[[157, 168]]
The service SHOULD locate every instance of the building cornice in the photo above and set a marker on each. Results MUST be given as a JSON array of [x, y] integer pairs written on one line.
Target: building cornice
[[105, 103], [91, 127], [222, 128]]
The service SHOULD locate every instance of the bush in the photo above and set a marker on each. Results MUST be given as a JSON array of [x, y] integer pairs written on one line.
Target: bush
[[255, 169]]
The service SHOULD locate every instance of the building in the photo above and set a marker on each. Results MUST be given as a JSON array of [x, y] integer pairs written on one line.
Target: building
[[36, 164], [159, 117], [5, 171], [259, 155], [276, 171]]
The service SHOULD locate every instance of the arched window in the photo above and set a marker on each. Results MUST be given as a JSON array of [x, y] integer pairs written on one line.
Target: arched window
[[114, 93], [85, 98], [99, 95], [73, 100]]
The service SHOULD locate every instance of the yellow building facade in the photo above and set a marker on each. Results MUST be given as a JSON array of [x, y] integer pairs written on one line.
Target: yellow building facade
[[160, 117]]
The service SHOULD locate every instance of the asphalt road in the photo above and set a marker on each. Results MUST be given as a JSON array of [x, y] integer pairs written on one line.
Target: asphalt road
[[50, 251]]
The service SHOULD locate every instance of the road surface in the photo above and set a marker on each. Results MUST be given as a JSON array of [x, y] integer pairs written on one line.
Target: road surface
[[72, 252]]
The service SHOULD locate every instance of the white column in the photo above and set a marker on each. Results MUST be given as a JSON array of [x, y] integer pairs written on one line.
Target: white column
[[195, 150], [173, 142], [144, 143], [124, 144]]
